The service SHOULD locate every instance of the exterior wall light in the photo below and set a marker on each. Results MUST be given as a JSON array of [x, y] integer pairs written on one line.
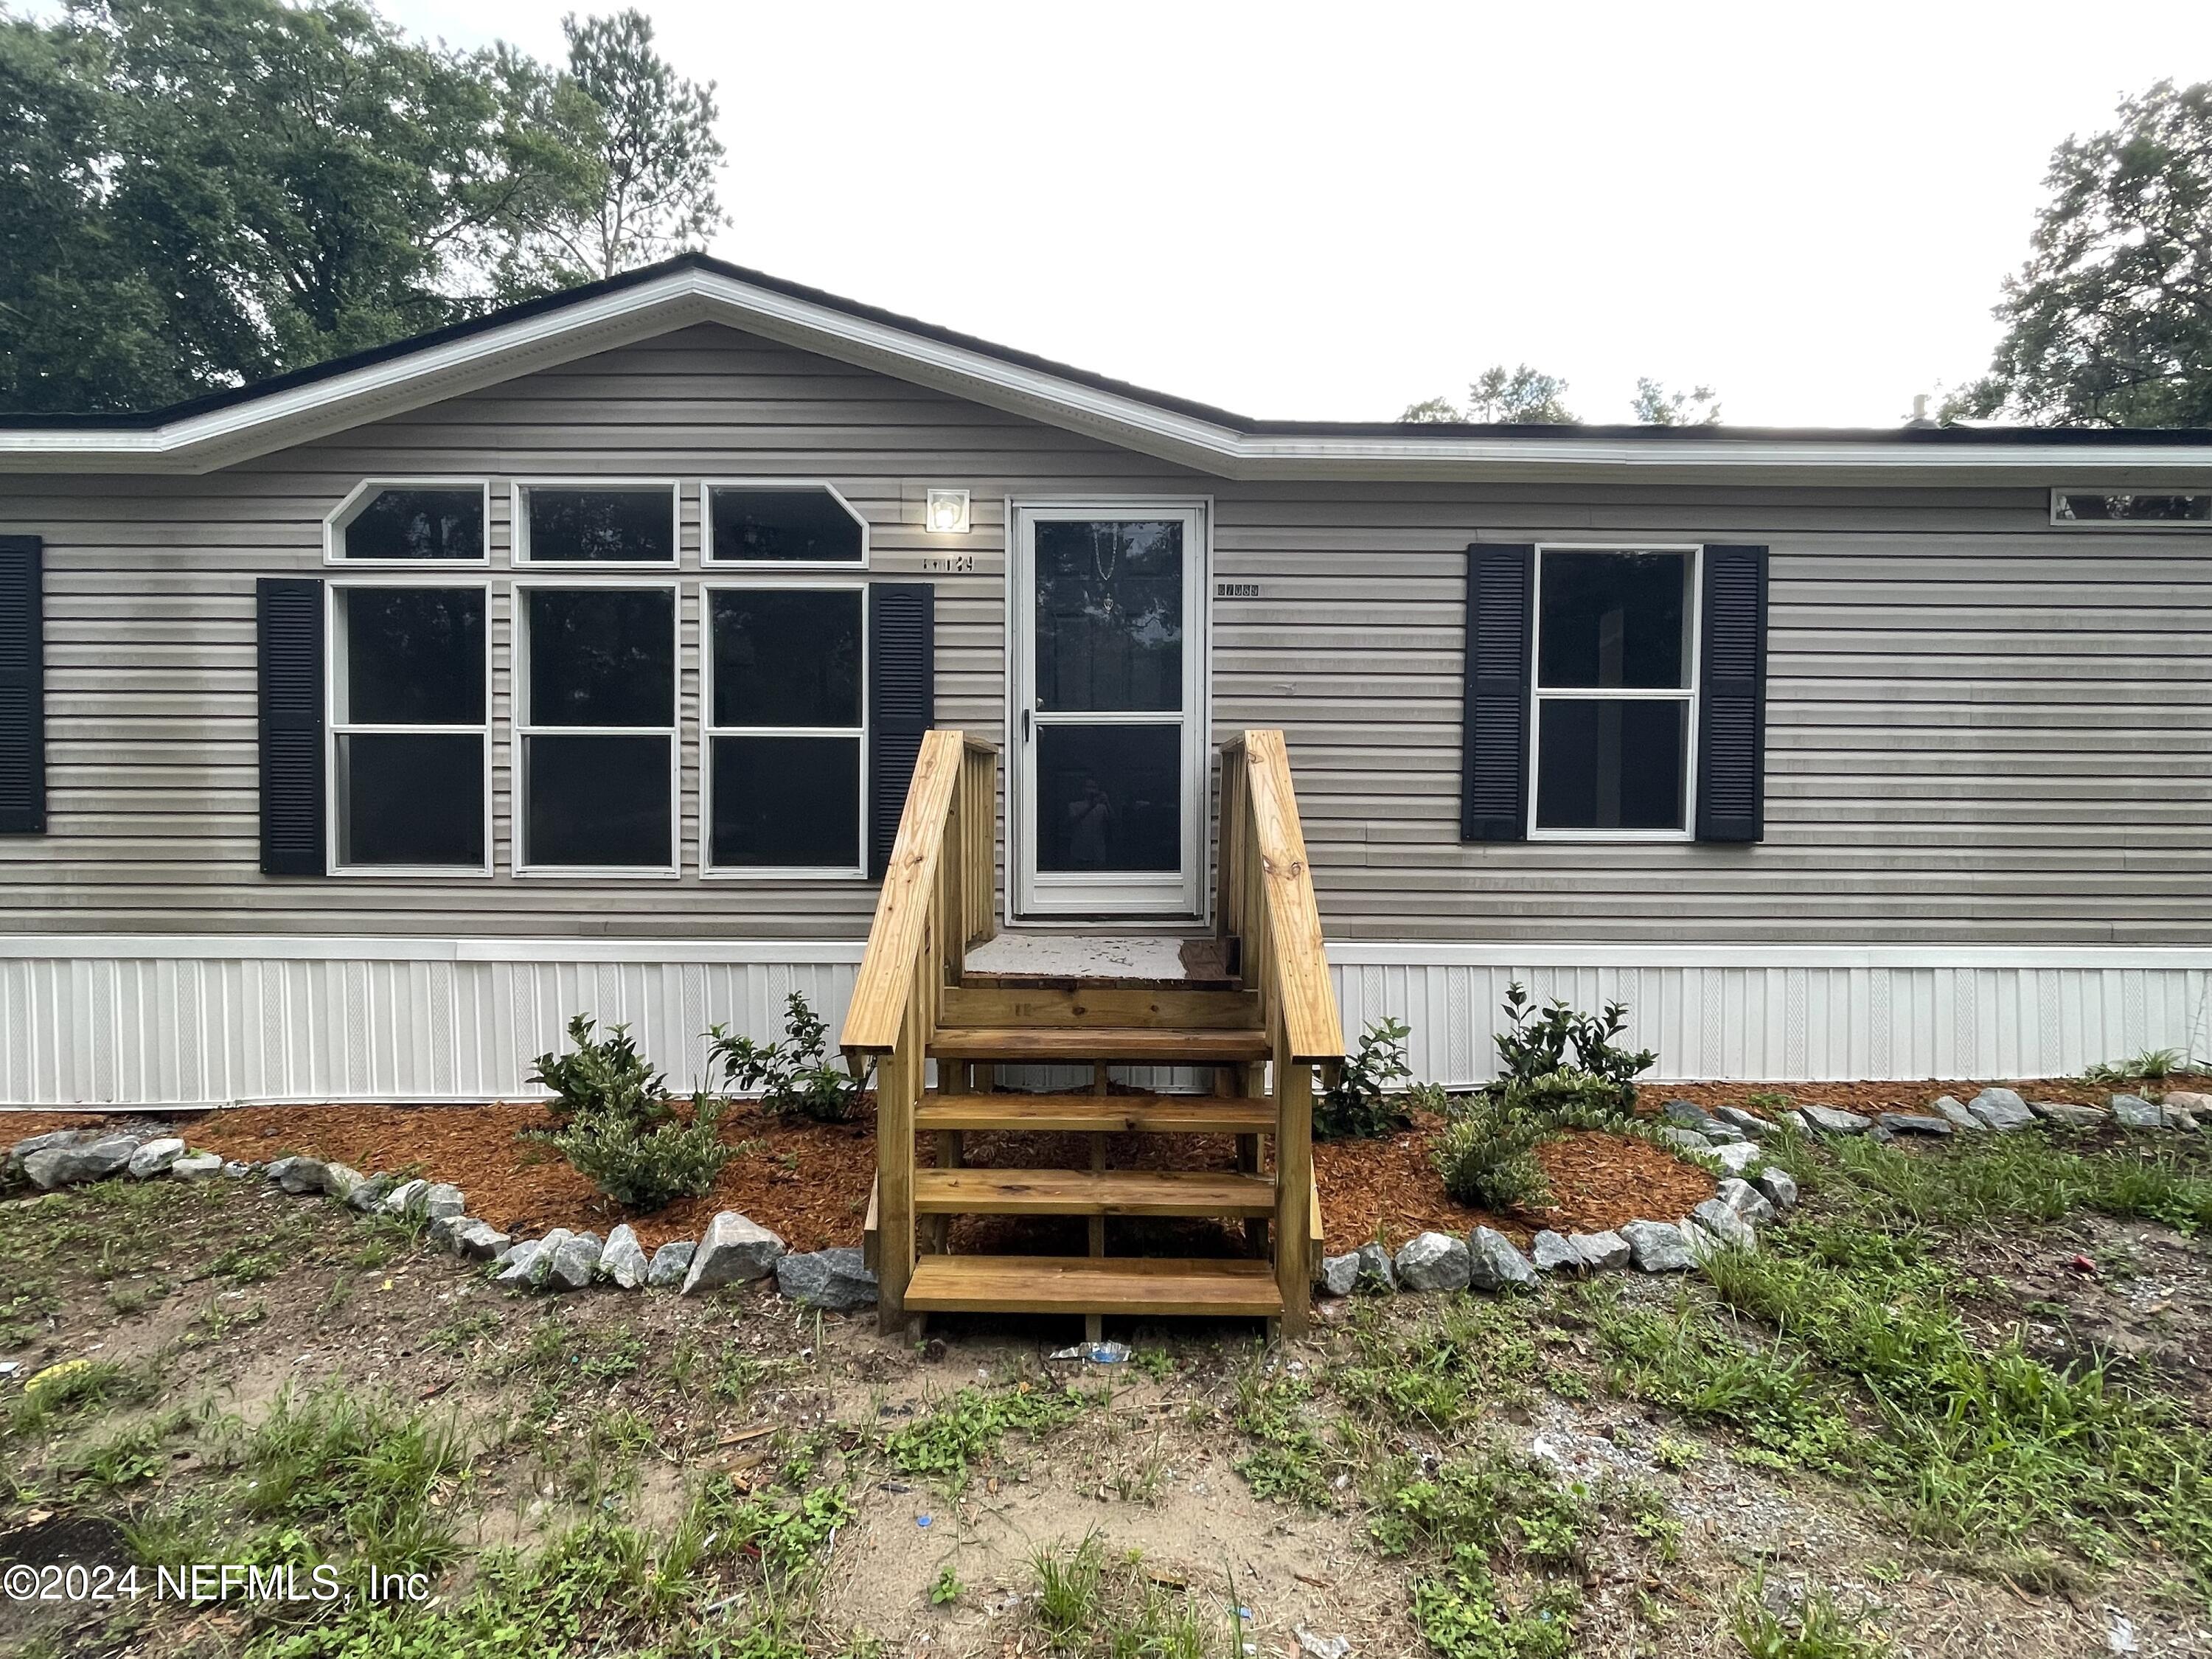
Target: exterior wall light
[[946, 512]]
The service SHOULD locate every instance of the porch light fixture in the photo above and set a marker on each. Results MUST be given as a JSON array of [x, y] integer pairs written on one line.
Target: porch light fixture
[[946, 512]]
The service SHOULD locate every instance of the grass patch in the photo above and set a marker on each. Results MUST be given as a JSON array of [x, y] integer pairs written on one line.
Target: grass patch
[[2016, 1179], [1442, 1367], [74, 1388], [1279, 1413], [1086, 1603], [1819, 1629], [968, 1427]]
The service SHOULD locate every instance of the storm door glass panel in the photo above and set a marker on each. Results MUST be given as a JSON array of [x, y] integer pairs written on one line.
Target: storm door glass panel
[[1109, 622], [1615, 763], [1109, 798]]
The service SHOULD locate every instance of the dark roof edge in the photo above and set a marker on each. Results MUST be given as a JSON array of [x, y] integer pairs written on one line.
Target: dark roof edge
[[1964, 437]]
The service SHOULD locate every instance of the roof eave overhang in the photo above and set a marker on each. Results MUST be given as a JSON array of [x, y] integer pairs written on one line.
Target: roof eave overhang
[[283, 419]]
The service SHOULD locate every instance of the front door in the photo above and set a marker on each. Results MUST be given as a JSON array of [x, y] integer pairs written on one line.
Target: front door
[[1109, 771]]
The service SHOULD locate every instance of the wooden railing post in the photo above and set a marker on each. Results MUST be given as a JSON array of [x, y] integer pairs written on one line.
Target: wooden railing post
[[898, 1091], [1293, 1186]]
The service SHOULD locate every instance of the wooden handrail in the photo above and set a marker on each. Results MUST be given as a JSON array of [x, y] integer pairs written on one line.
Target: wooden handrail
[[955, 776], [1266, 897]]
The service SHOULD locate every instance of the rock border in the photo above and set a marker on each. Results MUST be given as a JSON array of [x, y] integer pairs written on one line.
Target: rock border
[[734, 1249]]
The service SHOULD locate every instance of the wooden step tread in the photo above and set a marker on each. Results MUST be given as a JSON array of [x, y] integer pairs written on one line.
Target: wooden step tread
[[1168, 1114], [1102, 1284], [1170, 1046], [1091, 1192]]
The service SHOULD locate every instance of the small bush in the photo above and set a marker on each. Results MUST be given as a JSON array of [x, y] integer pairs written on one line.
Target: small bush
[[1488, 1155], [603, 1077], [1538, 1043], [616, 1127], [1356, 1108], [792, 1074]]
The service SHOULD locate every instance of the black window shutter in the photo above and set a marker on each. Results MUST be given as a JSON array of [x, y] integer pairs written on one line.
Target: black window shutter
[[1732, 696], [902, 702], [290, 629], [1494, 759], [23, 687]]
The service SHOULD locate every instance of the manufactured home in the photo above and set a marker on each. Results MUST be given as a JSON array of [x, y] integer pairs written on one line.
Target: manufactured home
[[359, 726]]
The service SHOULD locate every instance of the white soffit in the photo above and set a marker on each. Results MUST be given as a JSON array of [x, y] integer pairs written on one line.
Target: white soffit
[[224, 436]]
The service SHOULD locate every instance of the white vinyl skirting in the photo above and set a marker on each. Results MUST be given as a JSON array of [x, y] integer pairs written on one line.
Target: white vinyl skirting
[[165, 1020]]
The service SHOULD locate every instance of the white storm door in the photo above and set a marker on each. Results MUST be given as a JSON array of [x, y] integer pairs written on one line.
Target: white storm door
[[1109, 753]]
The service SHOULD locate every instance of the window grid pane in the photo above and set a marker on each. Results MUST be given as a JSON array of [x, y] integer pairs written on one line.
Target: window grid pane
[[780, 524], [631, 524], [409, 731], [783, 729]]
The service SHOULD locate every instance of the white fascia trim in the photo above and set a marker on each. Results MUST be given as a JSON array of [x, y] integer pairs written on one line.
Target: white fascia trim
[[284, 947], [1421, 953], [221, 437]]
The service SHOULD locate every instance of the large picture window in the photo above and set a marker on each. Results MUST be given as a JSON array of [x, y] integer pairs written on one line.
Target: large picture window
[[617, 523], [1615, 686], [409, 734], [784, 728], [595, 726]]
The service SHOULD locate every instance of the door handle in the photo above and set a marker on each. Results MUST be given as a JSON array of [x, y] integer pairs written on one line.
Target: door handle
[[1025, 726]]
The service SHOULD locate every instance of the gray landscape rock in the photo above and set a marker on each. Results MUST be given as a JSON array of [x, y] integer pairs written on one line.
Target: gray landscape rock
[[1689, 1139], [340, 1181], [1750, 1123], [1494, 1265], [2186, 1100], [445, 1230], [1432, 1261], [1778, 1187], [301, 1176], [836, 1278], [400, 1199], [1688, 1114], [1830, 1120], [196, 1166], [1339, 1274], [669, 1265], [277, 1168], [370, 1192], [1952, 1113], [2002, 1109], [21, 1152], [1798, 1120], [155, 1157], [1739, 1159], [1551, 1252], [2060, 1111], [1376, 1273], [1716, 1217], [2134, 1112], [1915, 1124], [1657, 1247], [1747, 1201], [443, 1199], [736, 1249], [1600, 1251], [235, 1171], [479, 1241], [1724, 1134], [623, 1259], [522, 1262], [75, 1163], [574, 1260]]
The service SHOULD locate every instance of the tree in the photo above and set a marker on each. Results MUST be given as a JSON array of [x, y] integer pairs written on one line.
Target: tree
[[653, 155], [1654, 405], [2109, 322], [1522, 396]]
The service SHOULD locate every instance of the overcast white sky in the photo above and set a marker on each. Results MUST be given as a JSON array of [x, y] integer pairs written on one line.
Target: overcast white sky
[[1329, 211]]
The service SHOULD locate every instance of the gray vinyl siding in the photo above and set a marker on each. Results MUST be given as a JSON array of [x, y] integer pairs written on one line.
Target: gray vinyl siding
[[1981, 729]]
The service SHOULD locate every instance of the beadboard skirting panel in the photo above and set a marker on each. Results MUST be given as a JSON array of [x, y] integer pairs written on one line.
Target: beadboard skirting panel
[[178, 1020]]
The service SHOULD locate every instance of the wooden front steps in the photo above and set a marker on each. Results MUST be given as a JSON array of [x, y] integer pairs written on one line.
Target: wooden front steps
[[1066, 1113], [1092, 1192], [1144, 1286], [1117, 1045]]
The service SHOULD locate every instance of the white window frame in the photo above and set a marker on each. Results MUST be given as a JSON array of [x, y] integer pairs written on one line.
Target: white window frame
[[518, 528], [707, 555], [340, 517], [1693, 598], [521, 727], [710, 871], [334, 729], [2134, 526]]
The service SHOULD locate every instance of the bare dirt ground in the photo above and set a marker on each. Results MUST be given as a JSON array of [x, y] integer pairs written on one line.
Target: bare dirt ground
[[604, 1410]]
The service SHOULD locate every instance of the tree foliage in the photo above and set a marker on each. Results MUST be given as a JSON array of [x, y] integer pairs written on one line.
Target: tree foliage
[[1519, 395], [205, 192], [2109, 322], [1654, 405]]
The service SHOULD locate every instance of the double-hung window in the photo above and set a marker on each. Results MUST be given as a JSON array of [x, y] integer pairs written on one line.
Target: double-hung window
[[1615, 691], [784, 728], [409, 738]]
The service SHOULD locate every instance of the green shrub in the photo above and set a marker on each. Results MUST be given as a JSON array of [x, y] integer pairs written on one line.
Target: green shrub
[[793, 1075], [646, 1166], [1488, 1155], [1356, 1108], [605, 1077], [1536, 1044]]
